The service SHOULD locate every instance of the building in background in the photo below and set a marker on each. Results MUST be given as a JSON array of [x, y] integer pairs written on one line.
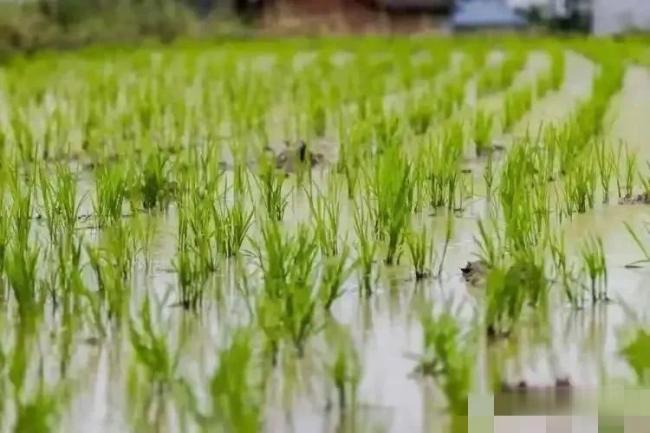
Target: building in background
[[471, 15]]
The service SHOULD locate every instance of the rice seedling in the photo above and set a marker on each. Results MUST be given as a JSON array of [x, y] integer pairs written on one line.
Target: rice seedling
[[21, 265], [325, 212], [336, 270], [637, 354], [509, 290], [366, 245], [595, 267], [483, 128], [626, 185], [517, 102], [60, 203], [38, 413], [421, 250], [151, 348], [392, 189], [422, 114], [235, 389], [232, 221], [111, 193], [288, 266], [155, 186], [498, 77], [345, 371], [194, 261], [566, 272], [558, 68], [441, 159], [605, 162], [640, 244], [275, 200], [447, 356], [580, 187]]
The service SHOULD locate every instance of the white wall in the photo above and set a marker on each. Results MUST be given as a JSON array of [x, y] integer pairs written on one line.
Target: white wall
[[527, 3], [613, 16]]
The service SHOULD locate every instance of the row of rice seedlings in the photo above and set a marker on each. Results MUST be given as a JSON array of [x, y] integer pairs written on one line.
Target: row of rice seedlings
[[552, 79], [499, 77], [516, 103]]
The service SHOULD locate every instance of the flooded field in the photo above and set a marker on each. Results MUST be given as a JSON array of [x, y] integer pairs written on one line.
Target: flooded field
[[345, 235]]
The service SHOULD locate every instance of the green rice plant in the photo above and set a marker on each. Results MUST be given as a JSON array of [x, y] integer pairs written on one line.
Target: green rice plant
[[4, 235], [155, 186], [498, 77], [637, 354], [235, 389], [450, 97], [392, 188], [387, 130], [517, 102], [580, 187], [111, 192], [483, 127], [421, 249], [449, 232], [232, 221], [543, 84], [112, 291], [121, 246], [271, 182], [318, 119], [366, 245], [447, 356], [626, 185], [20, 210], [325, 213], [38, 413], [595, 267], [151, 348], [60, 203], [441, 158], [21, 268], [69, 281], [350, 156], [558, 68], [421, 114], [510, 290], [490, 243], [345, 370], [288, 265], [193, 263], [565, 272], [335, 272], [524, 198], [641, 244], [606, 164]]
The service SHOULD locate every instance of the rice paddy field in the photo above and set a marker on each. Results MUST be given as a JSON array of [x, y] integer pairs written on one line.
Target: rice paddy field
[[332, 235]]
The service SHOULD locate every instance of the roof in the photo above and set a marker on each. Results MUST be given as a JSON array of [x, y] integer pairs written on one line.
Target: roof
[[415, 5], [476, 14]]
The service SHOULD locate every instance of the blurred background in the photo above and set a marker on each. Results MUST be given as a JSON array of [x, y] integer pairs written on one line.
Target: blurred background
[[36, 24]]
